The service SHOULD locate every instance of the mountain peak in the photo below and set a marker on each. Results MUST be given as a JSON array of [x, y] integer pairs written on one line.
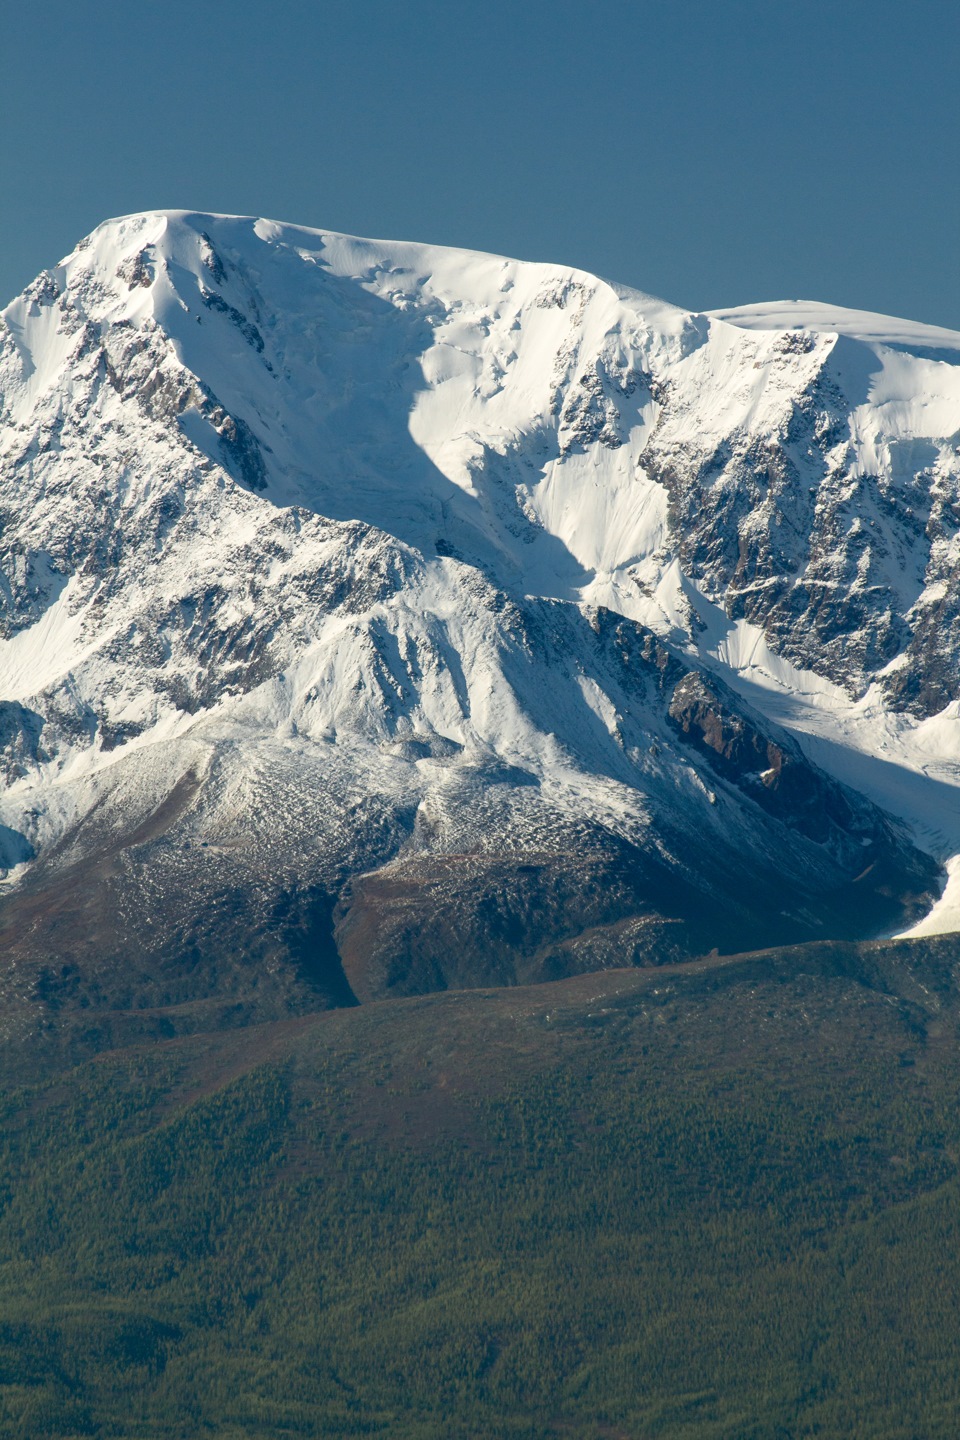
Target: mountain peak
[[817, 317], [403, 579]]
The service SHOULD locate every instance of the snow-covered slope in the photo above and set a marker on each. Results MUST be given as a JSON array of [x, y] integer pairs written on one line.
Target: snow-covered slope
[[374, 568]]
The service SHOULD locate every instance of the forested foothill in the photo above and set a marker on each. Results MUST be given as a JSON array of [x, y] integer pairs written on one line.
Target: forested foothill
[[706, 1202]]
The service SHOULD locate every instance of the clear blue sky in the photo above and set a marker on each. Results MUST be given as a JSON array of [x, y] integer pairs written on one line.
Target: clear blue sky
[[711, 151]]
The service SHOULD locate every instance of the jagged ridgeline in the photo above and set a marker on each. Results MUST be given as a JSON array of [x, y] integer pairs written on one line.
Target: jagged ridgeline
[[378, 618]]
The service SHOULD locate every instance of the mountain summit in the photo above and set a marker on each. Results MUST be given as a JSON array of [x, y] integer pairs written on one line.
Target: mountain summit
[[378, 617]]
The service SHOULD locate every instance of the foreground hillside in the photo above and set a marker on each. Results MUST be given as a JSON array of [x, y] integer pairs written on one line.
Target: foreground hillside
[[704, 1202]]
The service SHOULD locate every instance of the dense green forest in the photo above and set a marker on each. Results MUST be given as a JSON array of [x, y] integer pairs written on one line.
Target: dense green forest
[[709, 1202]]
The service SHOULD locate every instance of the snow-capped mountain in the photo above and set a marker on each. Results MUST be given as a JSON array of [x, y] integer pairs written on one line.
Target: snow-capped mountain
[[435, 618]]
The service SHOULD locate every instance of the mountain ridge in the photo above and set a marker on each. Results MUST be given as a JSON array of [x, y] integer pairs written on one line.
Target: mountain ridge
[[375, 535]]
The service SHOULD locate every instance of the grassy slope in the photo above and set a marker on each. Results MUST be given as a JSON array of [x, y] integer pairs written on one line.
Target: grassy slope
[[711, 1201]]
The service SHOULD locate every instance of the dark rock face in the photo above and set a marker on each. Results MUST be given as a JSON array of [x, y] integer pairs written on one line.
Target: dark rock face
[[20, 731], [928, 676], [775, 775], [844, 571], [247, 329]]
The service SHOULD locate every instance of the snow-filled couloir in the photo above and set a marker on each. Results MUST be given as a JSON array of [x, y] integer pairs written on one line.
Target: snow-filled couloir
[[462, 618]]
